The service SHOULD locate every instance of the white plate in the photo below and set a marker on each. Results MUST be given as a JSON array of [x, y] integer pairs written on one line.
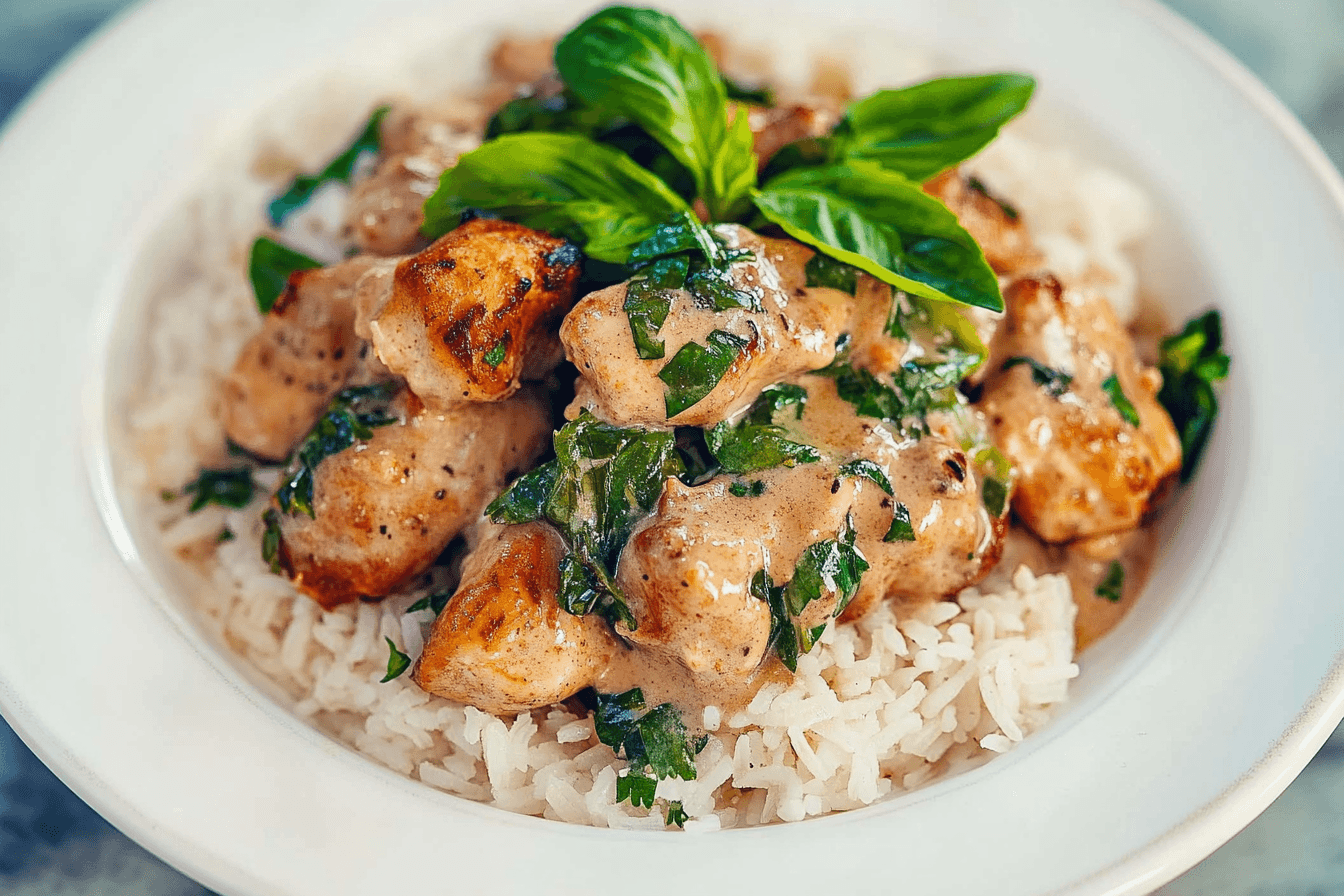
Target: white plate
[[1186, 723]]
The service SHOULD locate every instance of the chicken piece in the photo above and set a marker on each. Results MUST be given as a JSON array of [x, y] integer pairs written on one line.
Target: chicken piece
[[957, 540], [304, 354], [1083, 469], [502, 643], [384, 509], [794, 332], [386, 209], [992, 223], [774, 128], [471, 316], [687, 572]]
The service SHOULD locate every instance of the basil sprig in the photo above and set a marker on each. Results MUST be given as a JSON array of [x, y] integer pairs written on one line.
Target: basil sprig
[[756, 442], [883, 223], [655, 744], [225, 488], [341, 168], [644, 66], [565, 183]]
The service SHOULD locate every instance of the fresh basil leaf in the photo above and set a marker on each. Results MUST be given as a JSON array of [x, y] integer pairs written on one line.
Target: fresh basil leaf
[[753, 489], [867, 469], [1111, 386], [350, 417], [225, 488], [523, 501], [921, 130], [268, 267], [809, 152], [751, 447], [823, 270], [833, 565], [994, 494], [938, 328], [696, 369], [1054, 382], [435, 602], [901, 529], [564, 183], [225, 535], [784, 635], [1192, 361], [774, 398], [340, 169], [644, 66], [884, 224], [270, 540], [397, 662], [1112, 587]]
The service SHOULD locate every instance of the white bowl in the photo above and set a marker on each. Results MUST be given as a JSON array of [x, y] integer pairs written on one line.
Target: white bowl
[[1186, 723]]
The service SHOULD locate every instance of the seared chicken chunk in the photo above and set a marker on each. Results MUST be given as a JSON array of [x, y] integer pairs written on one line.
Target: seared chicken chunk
[[384, 509], [502, 643], [1084, 469], [471, 316], [795, 331], [306, 352], [995, 225], [385, 210]]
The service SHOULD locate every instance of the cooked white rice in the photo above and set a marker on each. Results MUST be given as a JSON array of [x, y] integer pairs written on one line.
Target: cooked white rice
[[882, 706]]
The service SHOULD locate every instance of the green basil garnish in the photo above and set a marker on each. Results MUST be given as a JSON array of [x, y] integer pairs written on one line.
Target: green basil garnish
[[269, 265], [225, 488], [886, 225], [397, 662], [755, 442], [1192, 361], [1054, 382], [901, 529], [1111, 386], [1112, 587], [340, 169], [696, 369], [867, 469]]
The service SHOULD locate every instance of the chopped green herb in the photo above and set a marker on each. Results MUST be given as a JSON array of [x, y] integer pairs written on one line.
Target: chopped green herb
[[341, 168], [696, 369], [397, 662], [753, 489], [269, 266], [648, 300], [1112, 587], [867, 469], [225, 534], [1054, 382], [823, 270], [270, 540], [225, 488], [884, 224], [926, 128], [604, 479], [760, 95], [347, 419], [676, 814], [495, 356], [994, 493], [756, 442], [1111, 386], [901, 529], [653, 740], [978, 186], [435, 602], [910, 393], [832, 566], [1192, 361], [637, 788]]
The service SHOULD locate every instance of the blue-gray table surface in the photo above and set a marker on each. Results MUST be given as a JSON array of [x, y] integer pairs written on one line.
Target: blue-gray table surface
[[51, 842]]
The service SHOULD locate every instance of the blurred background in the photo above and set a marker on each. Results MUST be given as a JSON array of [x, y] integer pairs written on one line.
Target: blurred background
[[52, 843]]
